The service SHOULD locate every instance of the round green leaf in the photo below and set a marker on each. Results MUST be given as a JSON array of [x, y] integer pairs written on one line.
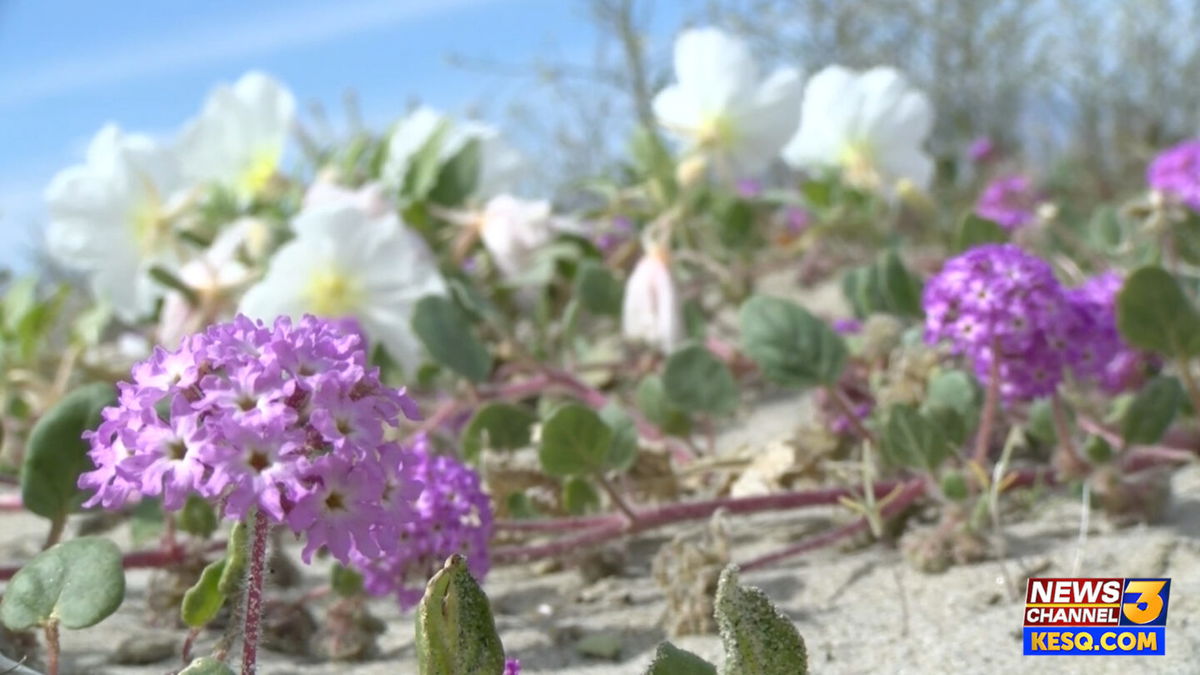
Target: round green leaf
[[575, 442], [206, 665], [652, 400], [197, 517], [671, 660], [598, 290], [76, 583], [56, 453], [1153, 313], [912, 440], [697, 381], [622, 451], [499, 425], [1151, 412], [446, 332], [792, 347], [579, 496]]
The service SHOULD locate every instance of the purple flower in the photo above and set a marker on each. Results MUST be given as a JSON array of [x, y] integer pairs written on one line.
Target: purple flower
[[453, 515], [1176, 173], [1003, 310], [981, 150], [748, 188], [512, 666], [618, 230], [1097, 352], [288, 419], [1010, 201], [847, 326]]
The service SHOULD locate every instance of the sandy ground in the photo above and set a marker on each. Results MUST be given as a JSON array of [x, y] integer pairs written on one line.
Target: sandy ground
[[863, 611]]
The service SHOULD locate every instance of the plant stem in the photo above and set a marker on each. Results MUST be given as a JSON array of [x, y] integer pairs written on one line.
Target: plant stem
[[990, 402], [618, 499], [1069, 461], [56, 530], [52, 647], [906, 496], [845, 407], [254, 585]]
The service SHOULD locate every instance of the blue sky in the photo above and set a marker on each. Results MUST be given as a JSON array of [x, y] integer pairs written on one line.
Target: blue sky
[[68, 67]]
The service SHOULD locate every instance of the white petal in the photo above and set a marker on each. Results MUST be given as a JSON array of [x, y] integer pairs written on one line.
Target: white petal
[[828, 113], [766, 124], [714, 67]]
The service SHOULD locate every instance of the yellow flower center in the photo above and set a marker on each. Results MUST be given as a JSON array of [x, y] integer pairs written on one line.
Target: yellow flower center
[[150, 224], [715, 132], [858, 165], [333, 292], [258, 171]]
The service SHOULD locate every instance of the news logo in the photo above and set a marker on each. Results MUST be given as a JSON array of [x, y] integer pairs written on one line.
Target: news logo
[[1096, 616]]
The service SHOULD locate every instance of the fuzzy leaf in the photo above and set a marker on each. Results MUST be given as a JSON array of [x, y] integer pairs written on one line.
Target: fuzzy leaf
[[455, 633], [448, 336], [671, 660], [912, 440], [792, 347], [76, 583], [758, 638], [1151, 412], [56, 453], [598, 290], [579, 496], [697, 381], [575, 442], [206, 665], [203, 600], [1154, 314], [505, 426], [623, 449]]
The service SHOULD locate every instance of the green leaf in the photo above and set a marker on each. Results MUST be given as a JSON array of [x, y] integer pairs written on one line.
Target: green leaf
[[575, 442], [976, 231], [598, 289], [236, 556], [1151, 412], [424, 165], [76, 583], [912, 440], [758, 638], [455, 632], [521, 507], [883, 287], [792, 347], [204, 599], [206, 665], [1040, 424], [197, 517], [651, 399], [345, 581], [623, 449], [56, 453], [502, 426], [952, 401], [458, 177], [1154, 314], [954, 485], [671, 660], [1097, 450], [168, 280], [697, 381], [736, 225], [449, 338], [579, 496]]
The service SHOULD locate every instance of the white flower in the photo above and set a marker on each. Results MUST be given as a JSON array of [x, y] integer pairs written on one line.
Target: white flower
[[652, 311], [722, 108], [499, 164], [325, 191], [109, 217], [214, 278], [238, 139], [343, 262], [870, 124], [514, 229]]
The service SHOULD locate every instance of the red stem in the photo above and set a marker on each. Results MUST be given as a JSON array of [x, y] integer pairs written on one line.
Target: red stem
[[11, 503], [991, 401], [158, 558], [254, 585], [911, 492]]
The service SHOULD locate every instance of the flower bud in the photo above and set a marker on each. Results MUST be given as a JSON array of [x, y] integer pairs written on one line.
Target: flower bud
[[691, 171], [514, 229], [652, 311]]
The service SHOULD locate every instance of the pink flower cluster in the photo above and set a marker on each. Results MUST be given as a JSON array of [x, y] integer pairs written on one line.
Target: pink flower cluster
[[288, 419], [1176, 173], [452, 515], [1010, 201], [1004, 310]]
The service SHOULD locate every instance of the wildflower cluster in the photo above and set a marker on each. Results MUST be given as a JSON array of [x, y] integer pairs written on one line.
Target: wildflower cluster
[[1176, 173], [1098, 353], [288, 419], [1004, 311], [1010, 201], [452, 515]]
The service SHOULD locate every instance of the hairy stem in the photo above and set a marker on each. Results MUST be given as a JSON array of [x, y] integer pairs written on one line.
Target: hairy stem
[[254, 586], [846, 408], [991, 401], [52, 648]]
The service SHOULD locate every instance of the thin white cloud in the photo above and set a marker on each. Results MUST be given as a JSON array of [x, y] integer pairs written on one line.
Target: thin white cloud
[[246, 36]]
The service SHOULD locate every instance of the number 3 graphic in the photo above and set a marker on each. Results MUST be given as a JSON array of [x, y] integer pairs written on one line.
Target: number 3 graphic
[[1149, 603]]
